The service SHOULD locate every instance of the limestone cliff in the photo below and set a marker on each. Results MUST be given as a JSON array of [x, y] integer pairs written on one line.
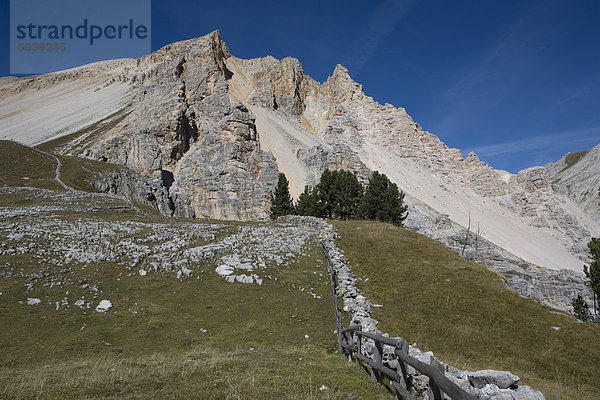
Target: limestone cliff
[[530, 214], [172, 123]]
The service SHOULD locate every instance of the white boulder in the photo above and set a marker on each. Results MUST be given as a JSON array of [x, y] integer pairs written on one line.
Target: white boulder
[[104, 306], [33, 301]]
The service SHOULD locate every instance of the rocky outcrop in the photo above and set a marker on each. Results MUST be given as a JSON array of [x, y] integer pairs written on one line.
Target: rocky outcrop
[[152, 190], [577, 176], [317, 159], [226, 179], [199, 152], [184, 127]]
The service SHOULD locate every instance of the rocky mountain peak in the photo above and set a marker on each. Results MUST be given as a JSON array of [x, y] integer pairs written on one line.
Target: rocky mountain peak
[[341, 86], [208, 133]]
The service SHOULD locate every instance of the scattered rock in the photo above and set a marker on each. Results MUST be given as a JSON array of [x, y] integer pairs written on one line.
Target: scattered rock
[[104, 306], [502, 379], [527, 393], [488, 391], [32, 301], [81, 303]]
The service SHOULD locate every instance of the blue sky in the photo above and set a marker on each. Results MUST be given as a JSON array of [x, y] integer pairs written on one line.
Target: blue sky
[[518, 82]]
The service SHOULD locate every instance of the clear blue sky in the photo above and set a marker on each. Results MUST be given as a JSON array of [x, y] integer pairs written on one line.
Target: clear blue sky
[[518, 82]]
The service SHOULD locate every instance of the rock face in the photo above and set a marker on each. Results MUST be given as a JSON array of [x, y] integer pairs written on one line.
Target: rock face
[[199, 153], [576, 176], [530, 214], [205, 134]]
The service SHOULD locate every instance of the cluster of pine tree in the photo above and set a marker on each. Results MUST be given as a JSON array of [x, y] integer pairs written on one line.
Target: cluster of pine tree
[[592, 272], [339, 195]]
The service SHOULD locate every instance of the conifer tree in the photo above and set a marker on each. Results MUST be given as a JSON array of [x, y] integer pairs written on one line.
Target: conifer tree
[[593, 271], [337, 195], [325, 194], [347, 194], [308, 203], [382, 201], [281, 201], [581, 309]]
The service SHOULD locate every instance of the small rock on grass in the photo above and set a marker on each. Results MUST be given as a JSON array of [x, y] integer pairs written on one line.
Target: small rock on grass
[[33, 301], [104, 306]]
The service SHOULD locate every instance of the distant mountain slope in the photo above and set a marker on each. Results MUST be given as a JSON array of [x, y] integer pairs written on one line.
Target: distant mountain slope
[[38, 108], [210, 131], [576, 175], [521, 213]]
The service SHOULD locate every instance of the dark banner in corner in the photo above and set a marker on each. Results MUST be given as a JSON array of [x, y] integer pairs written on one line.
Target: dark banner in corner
[[47, 36]]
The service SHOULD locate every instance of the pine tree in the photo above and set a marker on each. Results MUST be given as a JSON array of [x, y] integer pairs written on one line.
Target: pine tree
[[325, 194], [581, 309], [281, 201], [593, 271], [308, 203], [347, 194], [337, 195], [382, 201]]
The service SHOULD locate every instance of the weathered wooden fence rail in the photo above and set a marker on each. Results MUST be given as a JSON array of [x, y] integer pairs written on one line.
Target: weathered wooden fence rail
[[351, 340]]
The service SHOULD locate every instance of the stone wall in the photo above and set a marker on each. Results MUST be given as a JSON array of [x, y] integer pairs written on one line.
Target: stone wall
[[484, 384]]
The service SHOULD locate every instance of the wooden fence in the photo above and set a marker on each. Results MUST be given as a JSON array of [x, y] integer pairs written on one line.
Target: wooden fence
[[351, 340]]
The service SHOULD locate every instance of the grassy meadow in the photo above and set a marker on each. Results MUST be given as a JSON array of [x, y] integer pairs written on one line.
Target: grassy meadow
[[465, 315], [204, 338]]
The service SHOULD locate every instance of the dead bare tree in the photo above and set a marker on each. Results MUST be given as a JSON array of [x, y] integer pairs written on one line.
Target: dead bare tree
[[477, 242], [467, 235]]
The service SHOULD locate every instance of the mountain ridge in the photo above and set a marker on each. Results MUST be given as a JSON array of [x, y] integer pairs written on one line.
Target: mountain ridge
[[209, 132]]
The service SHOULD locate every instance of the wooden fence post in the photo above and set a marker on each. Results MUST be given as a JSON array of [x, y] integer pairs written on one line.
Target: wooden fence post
[[377, 353], [401, 369], [434, 391]]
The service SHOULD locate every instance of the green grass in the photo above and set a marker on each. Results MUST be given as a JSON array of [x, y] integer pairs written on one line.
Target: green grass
[[143, 348], [21, 166], [463, 313], [79, 172]]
